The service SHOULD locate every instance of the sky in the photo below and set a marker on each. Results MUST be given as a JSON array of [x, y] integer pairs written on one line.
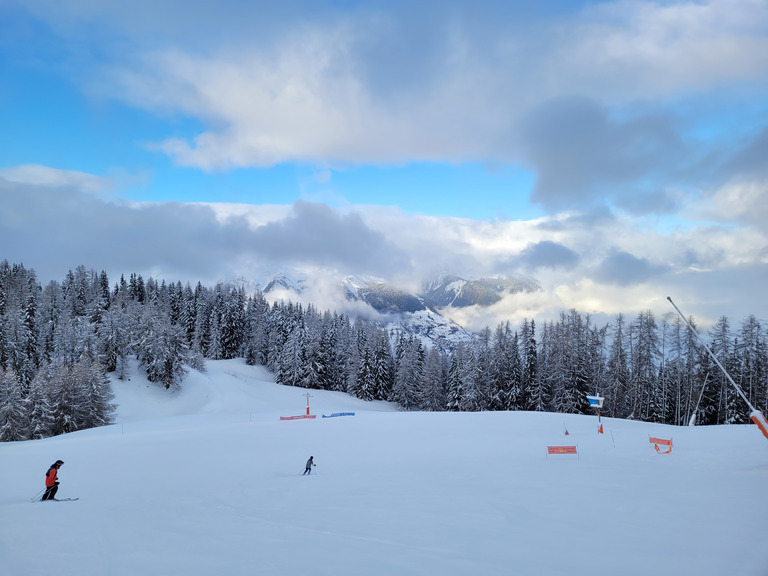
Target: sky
[[208, 480], [614, 151]]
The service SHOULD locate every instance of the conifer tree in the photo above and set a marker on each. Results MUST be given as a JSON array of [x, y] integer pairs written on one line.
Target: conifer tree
[[454, 384], [432, 395], [408, 373], [42, 416], [13, 409]]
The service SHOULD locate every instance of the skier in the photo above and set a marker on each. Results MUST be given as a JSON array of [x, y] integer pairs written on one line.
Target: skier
[[310, 463], [52, 480]]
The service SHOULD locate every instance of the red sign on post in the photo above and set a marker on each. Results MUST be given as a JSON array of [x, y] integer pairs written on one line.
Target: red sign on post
[[562, 450]]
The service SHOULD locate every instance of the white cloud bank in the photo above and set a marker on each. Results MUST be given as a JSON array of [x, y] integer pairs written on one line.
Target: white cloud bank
[[600, 265]]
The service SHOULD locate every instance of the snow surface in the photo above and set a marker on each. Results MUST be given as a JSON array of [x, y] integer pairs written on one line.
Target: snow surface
[[207, 481]]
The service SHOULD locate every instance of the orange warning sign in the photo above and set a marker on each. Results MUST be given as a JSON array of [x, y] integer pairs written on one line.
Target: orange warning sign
[[562, 450]]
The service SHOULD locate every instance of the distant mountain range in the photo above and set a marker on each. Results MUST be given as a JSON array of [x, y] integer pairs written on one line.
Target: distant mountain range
[[449, 290], [420, 315]]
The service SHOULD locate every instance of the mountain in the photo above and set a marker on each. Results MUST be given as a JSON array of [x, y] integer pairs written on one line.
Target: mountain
[[395, 310], [453, 291], [283, 281], [381, 296], [400, 311]]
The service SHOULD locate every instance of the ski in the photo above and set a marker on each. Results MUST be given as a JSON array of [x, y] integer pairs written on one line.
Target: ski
[[59, 500]]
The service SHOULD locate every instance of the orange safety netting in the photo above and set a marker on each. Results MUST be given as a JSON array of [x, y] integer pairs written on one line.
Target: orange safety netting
[[663, 442]]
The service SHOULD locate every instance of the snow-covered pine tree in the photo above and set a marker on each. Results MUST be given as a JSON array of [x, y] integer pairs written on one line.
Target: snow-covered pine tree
[[278, 327], [342, 364], [729, 408], [644, 362], [505, 371], [454, 383], [202, 333], [13, 408], [255, 341], [409, 371], [617, 370], [754, 362], [432, 395], [323, 354], [480, 380], [162, 349], [232, 323], [42, 417], [94, 392], [188, 313], [114, 340], [383, 366], [536, 394], [292, 367], [365, 378]]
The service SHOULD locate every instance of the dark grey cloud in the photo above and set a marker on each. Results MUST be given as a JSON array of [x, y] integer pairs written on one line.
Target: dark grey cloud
[[624, 269], [582, 154], [548, 254], [652, 201], [315, 234], [752, 160], [54, 229], [593, 217]]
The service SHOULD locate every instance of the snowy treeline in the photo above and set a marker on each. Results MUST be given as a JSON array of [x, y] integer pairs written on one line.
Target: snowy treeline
[[58, 342]]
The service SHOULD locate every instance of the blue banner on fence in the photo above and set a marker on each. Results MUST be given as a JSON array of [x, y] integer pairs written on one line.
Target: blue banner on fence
[[335, 414]]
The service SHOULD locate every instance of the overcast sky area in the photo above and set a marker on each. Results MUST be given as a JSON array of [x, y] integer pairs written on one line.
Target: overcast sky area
[[615, 151]]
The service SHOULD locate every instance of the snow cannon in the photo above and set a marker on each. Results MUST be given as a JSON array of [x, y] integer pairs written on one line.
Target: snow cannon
[[755, 414], [759, 419]]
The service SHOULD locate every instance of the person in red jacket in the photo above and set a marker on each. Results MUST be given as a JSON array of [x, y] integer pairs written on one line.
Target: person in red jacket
[[52, 480]]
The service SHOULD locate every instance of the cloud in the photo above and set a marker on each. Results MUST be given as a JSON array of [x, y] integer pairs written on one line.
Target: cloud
[[315, 234], [548, 254], [750, 161], [744, 202], [581, 154], [390, 83], [624, 269], [52, 177], [598, 263], [54, 229]]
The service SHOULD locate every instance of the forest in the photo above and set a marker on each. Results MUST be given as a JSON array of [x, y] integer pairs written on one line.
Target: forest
[[60, 342]]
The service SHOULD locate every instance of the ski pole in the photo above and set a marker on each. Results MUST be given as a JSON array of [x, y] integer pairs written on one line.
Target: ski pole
[[37, 496]]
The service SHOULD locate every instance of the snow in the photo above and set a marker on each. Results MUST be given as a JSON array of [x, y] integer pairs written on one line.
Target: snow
[[207, 480]]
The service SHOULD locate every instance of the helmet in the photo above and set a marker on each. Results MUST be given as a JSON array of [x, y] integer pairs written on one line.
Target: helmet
[[58, 462]]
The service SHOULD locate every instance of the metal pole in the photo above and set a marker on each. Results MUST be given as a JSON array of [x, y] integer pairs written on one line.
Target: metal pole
[[692, 419], [752, 408]]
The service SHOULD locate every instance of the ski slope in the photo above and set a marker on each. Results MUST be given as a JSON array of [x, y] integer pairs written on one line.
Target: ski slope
[[207, 481]]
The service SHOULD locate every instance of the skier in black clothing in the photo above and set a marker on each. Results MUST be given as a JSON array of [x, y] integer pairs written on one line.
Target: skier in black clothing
[[52, 480], [310, 463]]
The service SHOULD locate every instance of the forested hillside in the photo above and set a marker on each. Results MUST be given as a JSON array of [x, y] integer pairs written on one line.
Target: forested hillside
[[59, 341]]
